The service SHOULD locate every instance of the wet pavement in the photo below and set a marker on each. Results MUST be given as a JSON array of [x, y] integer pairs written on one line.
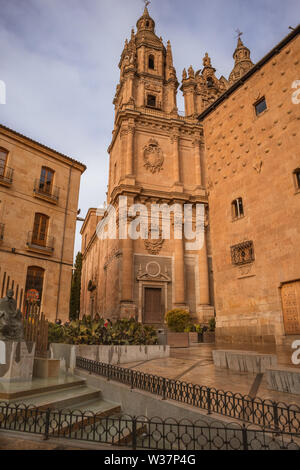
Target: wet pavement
[[195, 365]]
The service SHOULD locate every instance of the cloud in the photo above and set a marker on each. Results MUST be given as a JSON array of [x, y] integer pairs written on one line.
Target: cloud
[[59, 59]]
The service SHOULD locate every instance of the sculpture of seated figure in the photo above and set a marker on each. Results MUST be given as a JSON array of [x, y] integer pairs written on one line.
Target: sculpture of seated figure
[[11, 322]]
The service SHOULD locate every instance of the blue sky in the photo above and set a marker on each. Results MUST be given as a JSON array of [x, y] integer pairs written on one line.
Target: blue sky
[[59, 60]]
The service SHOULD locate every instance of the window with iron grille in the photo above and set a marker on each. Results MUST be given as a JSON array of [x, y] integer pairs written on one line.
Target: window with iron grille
[[243, 253]]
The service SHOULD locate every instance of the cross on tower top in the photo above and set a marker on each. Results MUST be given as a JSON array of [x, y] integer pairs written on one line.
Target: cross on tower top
[[147, 2], [239, 33]]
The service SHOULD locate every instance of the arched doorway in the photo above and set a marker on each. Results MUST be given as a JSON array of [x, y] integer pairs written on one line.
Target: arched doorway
[[33, 288]]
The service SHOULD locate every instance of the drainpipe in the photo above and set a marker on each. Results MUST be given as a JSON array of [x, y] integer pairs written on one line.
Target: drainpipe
[[63, 243]]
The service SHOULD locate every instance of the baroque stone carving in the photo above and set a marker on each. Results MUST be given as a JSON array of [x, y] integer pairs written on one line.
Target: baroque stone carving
[[11, 321], [153, 157], [154, 246]]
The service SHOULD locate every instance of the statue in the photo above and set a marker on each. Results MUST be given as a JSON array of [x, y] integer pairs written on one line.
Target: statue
[[11, 323]]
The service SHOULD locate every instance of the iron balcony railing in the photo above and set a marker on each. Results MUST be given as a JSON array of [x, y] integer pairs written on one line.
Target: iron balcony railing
[[45, 243], [6, 175], [266, 413], [1, 231], [49, 192], [142, 432]]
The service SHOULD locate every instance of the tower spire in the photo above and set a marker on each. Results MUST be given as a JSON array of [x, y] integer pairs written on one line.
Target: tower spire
[[242, 60]]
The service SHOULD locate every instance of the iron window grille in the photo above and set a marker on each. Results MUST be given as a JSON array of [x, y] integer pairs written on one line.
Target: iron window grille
[[243, 253]]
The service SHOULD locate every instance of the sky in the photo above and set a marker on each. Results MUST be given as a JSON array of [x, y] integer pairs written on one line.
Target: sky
[[59, 61]]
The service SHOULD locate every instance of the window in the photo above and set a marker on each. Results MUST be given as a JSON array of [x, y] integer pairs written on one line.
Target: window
[[242, 253], [3, 160], [40, 230], [297, 178], [34, 286], [46, 180], [151, 101], [209, 82], [237, 208], [151, 62], [260, 106]]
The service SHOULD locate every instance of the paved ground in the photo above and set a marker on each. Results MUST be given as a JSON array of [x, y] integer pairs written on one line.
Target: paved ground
[[195, 365]]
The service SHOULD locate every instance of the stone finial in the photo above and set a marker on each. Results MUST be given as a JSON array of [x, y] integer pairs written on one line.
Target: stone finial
[[191, 72], [184, 74], [207, 60]]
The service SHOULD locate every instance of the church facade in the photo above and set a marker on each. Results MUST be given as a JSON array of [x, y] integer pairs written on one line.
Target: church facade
[[159, 157]]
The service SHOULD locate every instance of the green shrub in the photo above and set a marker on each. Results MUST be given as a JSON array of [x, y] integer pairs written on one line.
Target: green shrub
[[178, 320], [212, 324], [99, 332]]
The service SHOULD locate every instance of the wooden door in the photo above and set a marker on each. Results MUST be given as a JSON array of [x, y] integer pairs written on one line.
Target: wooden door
[[152, 305], [46, 180], [40, 229], [3, 159], [290, 295]]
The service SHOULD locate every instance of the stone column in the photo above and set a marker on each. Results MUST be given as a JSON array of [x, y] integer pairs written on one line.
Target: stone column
[[196, 144], [176, 157], [130, 148], [205, 311], [179, 285], [127, 305]]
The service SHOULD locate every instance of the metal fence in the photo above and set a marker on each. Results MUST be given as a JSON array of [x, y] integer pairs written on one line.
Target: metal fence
[[142, 432], [266, 413]]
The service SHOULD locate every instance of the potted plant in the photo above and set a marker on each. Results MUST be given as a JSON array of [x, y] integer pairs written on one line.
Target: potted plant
[[178, 321], [209, 332]]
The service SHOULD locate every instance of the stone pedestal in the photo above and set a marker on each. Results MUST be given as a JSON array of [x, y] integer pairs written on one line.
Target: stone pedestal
[[244, 361], [284, 379], [16, 362], [45, 368]]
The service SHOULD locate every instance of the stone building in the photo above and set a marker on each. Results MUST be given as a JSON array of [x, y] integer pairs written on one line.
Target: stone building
[[220, 154], [39, 190], [155, 157]]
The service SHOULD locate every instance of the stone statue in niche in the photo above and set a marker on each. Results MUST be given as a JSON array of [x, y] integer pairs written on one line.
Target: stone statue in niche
[[11, 321]]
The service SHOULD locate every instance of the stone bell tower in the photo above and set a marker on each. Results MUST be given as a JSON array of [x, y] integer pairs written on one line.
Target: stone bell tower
[[155, 158]]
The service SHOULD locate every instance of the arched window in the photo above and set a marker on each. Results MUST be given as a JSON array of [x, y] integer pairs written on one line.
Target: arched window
[[151, 62], [46, 180], [237, 208], [40, 230], [151, 101], [209, 82], [34, 286], [3, 160]]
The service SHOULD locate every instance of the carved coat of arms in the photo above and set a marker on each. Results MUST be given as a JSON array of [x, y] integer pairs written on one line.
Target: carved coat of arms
[[153, 157]]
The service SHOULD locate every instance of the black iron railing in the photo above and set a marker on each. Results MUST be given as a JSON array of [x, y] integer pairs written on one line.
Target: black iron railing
[[266, 413], [142, 432], [6, 175], [46, 244], [42, 189], [2, 231]]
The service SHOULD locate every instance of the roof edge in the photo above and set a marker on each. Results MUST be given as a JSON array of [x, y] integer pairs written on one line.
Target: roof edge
[[81, 166]]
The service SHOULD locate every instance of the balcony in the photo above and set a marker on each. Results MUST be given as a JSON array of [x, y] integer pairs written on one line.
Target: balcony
[[6, 176], [46, 192], [1, 232], [43, 246]]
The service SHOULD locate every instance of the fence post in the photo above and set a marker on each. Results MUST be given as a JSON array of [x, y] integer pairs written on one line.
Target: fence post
[[134, 433], [245, 437], [276, 420], [208, 402], [164, 388], [47, 424], [131, 379]]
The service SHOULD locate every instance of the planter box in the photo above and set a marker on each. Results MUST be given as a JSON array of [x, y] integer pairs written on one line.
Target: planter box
[[209, 337], [193, 338], [178, 340], [107, 354], [244, 361]]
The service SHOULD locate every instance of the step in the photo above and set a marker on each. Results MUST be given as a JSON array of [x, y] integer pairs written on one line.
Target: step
[[18, 390], [62, 398], [78, 418]]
